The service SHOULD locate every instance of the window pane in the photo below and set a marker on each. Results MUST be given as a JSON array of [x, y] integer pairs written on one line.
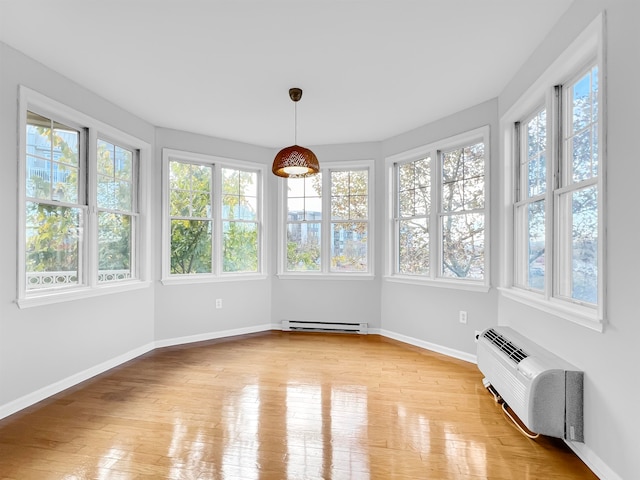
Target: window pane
[[579, 245], [582, 153], [123, 163], [358, 208], [452, 196], [240, 247], [463, 246], [52, 160], [463, 178], [413, 240], [191, 246], [407, 204], [52, 245], [349, 247], [536, 245], [349, 192], [582, 136], [38, 178], [305, 197], [190, 190], [414, 188], [239, 200], [115, 177], [533, 156], [114, 246], [303, 247]]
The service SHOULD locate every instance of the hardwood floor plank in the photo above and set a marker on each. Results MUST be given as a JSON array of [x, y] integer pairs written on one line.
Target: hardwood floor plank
[[279, 406]]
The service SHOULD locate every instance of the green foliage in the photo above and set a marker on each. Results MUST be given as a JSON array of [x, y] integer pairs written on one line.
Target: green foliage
[[114, 241], [190, 246], [52, 238], [305, 257], [240, 247]]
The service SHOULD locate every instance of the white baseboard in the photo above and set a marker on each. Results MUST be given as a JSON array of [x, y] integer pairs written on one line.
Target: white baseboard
[[593, 461], [450, 352], [57, 387]]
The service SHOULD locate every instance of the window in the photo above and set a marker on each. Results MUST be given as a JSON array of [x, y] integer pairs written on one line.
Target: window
[[240, 220], [572, 191], [558, 188], [213, 218], [413, 214], [439, 212], [339, 242], [117, 212], [80, 228], [462, 215], [530, 205], [577, 192], [55, 204]]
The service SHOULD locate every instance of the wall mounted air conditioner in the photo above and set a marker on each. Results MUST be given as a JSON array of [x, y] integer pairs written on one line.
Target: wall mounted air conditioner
[[543, 390]]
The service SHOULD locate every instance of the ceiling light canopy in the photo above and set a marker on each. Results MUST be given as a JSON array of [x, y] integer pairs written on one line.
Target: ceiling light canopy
[[295, 161]]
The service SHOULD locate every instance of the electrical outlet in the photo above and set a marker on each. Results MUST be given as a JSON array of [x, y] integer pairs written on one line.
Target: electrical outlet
[[218, 303], [463, 316]]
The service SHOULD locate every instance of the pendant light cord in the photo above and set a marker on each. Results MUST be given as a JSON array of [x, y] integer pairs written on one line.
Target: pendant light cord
[[295, 128]]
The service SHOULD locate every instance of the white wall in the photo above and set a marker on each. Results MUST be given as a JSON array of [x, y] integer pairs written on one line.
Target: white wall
[[608, 359], [41, 347], [189, 310]]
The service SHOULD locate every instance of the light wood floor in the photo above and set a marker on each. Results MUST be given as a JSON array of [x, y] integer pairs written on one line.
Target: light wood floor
[[280, 406]]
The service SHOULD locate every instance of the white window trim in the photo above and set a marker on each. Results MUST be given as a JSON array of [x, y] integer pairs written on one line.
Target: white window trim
[[29, 99], [217, 275], [432, 150], [588, 47], [325, 274]]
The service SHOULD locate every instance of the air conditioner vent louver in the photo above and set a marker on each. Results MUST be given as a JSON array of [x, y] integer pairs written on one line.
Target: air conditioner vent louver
[[515, 353]]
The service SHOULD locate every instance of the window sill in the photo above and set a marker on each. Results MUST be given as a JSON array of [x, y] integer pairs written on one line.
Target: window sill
[[585, 316], [68, 295], [467, 285], [199, 278], [326, 276]]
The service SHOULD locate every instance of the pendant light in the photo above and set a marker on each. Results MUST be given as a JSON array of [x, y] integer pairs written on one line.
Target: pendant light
[[295, 161]]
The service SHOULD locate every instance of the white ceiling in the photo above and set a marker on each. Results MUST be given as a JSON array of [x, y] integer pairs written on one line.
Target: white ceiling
[[369, 69]]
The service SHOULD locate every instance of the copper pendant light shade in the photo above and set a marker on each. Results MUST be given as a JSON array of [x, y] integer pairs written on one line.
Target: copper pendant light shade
[[295, 161]]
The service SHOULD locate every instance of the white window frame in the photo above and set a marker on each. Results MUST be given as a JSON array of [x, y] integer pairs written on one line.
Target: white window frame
[[586, 50], [217, 274], [433, 151], [326, 167], [30, 100]]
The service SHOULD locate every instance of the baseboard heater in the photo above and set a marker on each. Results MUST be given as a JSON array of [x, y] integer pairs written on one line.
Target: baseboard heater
[[544, 391], [343, 327]]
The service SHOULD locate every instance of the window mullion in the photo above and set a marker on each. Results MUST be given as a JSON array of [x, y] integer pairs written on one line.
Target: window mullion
[[88, 160], [435, 225], [325, 242], [215, 185]]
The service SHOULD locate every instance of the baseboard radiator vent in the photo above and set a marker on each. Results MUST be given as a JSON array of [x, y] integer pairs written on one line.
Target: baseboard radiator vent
[[342, 327], [543, 390]]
